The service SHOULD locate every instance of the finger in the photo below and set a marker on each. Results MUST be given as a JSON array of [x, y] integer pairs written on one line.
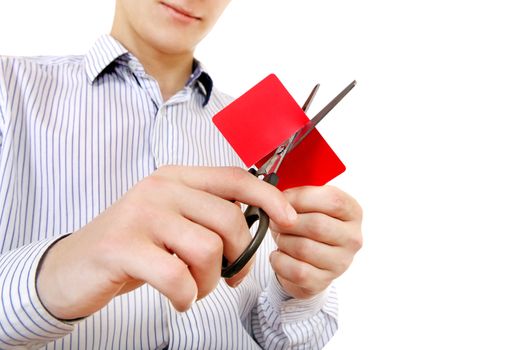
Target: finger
[[236, 279], [236, 184], [219, 216], [326, 229], [296, 291], [299, 273], [164, 272], [199, 248], [322, 256], [325, 199]]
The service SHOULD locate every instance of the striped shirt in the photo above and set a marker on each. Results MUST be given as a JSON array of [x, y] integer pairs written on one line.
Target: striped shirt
[[76, 133]]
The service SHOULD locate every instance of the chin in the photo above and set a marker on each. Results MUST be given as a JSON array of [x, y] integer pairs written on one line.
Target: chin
[[173, 44]]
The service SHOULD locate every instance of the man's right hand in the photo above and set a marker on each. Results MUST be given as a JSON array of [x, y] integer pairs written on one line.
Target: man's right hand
[[170, 231]]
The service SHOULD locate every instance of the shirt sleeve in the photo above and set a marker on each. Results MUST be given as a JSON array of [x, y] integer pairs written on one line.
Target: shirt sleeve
[[24, 321], [279, 321]]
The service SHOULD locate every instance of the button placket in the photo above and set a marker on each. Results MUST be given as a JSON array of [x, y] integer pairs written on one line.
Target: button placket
[[158, 138]]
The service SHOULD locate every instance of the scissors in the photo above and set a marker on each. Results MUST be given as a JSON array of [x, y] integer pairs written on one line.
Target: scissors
[[268, 173]]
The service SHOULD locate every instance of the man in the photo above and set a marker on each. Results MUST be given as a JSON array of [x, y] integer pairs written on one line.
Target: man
[[117, 193]]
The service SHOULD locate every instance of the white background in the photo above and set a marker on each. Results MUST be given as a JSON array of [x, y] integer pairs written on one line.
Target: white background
[[432, 137]]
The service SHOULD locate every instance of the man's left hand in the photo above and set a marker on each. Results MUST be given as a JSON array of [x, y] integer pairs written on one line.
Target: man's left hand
[[321, 245]]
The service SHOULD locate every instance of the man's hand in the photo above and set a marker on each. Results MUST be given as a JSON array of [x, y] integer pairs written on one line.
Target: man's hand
[[320, 246], [170, 230]]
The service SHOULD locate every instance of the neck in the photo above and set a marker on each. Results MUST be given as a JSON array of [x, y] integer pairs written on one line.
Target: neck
[[171, 71]]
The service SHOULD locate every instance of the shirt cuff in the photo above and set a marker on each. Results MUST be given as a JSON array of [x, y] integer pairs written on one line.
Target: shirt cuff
[[291, 309], [25, 318]]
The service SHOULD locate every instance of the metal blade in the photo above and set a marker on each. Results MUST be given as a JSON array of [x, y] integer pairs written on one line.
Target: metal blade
[[305, 130], [272, 164], [310, 98]]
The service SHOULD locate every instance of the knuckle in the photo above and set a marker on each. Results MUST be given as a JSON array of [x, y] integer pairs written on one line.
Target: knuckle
[[139, 208], [357, 209], [167, 170], [174, 275], [300, 274], [357, 241], [171, 274], [342, 264], [353, 238], [303, 249], [342, 204], [210, 250], [236, 174], [322, 283], [279, 199], [165, 177], [130, 210], [237, 177], [338, 200], [233, 220], [316, 226], [152, 183]]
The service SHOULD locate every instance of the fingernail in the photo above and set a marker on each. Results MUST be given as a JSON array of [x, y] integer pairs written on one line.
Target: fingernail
[[291, 213]]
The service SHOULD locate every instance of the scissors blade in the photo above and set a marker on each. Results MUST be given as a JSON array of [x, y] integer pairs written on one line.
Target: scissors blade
[[310, 98], [274, 162], [301, 134]]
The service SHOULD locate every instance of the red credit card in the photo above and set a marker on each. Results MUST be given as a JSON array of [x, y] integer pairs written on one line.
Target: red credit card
[[265, 116]]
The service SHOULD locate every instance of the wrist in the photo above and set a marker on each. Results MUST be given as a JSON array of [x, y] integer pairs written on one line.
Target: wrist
[[292, 309], [46, 283], [53, 289], [296, 291]]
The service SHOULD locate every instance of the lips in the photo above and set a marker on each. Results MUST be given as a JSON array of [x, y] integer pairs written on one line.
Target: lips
[[180, 10]]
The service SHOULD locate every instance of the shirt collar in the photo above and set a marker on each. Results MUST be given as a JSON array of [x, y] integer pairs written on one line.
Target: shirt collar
[[202, 80], [107, 50]]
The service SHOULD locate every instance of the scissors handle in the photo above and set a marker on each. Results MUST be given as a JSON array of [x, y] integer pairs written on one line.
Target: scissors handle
[[252, 214]]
